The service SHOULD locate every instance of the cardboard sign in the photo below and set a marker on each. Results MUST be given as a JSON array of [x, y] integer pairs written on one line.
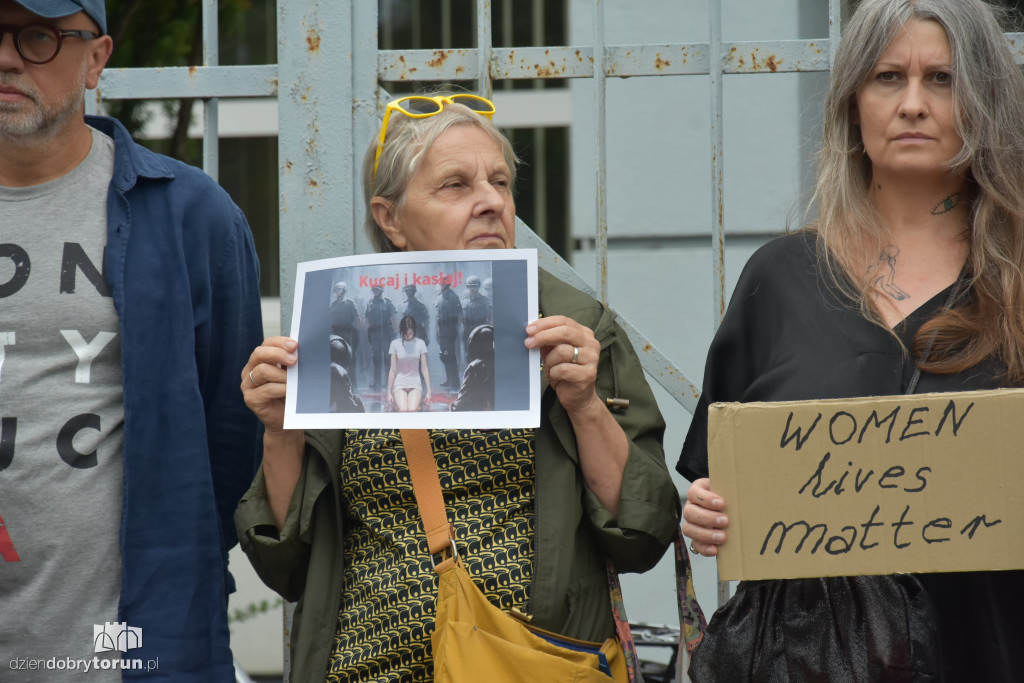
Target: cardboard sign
[[922, 483]]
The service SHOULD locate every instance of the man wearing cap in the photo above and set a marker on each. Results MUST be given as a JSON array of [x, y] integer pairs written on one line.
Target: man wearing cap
[[380, 331], [129, 298], [449, 322], [345, 324], [476, 308]]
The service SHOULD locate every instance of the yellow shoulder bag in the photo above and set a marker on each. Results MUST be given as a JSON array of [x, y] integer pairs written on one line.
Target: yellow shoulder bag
[[473, 640]]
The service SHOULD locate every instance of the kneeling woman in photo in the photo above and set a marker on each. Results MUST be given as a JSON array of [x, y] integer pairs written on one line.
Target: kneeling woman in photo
[[406, 389]]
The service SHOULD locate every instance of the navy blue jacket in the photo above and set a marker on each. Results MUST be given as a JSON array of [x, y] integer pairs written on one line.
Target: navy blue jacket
[[183, 273]]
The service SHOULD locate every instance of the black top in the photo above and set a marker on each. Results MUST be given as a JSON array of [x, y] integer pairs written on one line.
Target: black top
[[789, 335]]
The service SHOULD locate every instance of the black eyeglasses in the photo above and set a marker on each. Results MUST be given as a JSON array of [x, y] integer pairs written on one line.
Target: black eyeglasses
[[39, 43]]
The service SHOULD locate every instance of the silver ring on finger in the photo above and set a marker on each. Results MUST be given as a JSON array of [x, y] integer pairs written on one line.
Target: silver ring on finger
[[694, 550], [252, 379], [575, 355]]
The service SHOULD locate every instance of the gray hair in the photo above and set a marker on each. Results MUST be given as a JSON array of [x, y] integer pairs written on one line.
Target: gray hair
[[406, 145], [988, 103]]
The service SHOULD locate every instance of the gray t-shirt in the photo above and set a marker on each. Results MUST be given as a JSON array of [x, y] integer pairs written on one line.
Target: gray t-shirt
[[61, 404]]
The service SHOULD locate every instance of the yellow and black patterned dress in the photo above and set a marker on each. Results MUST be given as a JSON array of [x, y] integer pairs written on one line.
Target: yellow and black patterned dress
[[386, 613]]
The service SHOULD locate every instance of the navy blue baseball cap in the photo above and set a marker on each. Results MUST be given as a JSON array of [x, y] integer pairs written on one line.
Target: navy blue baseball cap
[[51, 9]]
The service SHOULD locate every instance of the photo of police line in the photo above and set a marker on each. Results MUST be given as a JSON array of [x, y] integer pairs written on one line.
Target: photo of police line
[[409, 344]]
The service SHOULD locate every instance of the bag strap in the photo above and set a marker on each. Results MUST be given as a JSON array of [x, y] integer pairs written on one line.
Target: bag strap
[[427, 488], [622, 629], [692, 623]]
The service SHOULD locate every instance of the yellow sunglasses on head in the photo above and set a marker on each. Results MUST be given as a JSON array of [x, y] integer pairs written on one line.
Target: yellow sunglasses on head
[[421, 107]]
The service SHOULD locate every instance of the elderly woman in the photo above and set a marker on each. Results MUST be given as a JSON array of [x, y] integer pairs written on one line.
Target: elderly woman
[[330, 520], [909, 279]]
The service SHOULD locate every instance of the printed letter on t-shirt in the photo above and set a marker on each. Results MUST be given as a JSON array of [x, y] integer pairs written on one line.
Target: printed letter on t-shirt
[[22, 267], [6, 339], [86, 351]]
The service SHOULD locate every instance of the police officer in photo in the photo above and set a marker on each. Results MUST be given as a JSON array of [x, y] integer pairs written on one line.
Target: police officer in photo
[[380, 330], [344, 323], [449, 318], [476, 308]]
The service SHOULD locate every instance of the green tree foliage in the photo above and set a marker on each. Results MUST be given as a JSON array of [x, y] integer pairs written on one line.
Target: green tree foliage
[[164, 33]]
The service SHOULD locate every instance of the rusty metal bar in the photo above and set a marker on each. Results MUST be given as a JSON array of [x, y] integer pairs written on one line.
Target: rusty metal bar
[[540, 135], [777, 56], [601, 161], [744, 57], [623, 61], [484, 45], [316, 167], [173, 82], [717, 148], [366, 103], [211, 110], [416, 21], [315, 143], [506, 28], [543, 62], [835, 19], [717, 189], [446, 23]]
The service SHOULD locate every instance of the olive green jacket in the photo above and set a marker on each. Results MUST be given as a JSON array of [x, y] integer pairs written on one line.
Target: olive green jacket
[[575, 532]]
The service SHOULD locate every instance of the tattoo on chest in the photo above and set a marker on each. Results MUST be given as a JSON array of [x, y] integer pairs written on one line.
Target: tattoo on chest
[[886, 281], [946, 205]]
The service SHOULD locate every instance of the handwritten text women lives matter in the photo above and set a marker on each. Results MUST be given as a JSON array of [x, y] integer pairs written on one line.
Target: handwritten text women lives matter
[[867, 486], [833, 477]]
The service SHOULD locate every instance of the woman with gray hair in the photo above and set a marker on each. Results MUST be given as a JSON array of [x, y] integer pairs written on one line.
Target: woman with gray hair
[[909, 278], [331, 520]]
